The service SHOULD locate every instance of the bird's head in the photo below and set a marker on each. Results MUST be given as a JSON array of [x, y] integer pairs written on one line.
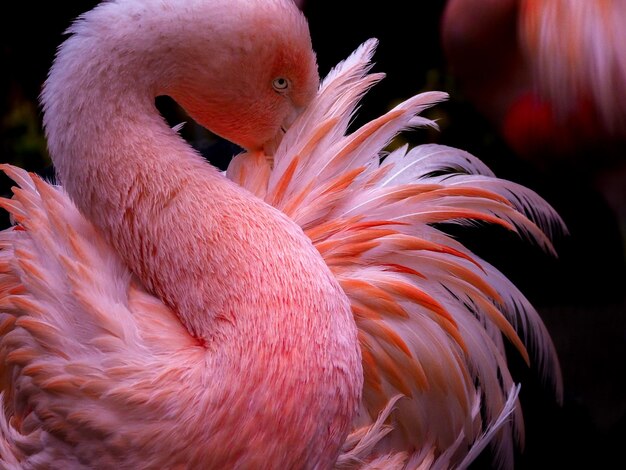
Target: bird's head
[[243, 69]]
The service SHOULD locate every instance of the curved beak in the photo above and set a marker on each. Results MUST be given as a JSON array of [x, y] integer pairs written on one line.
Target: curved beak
[[272, 145]]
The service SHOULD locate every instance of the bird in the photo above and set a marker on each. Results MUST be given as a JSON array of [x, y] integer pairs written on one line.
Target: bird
[[302, 309], [549, 76]]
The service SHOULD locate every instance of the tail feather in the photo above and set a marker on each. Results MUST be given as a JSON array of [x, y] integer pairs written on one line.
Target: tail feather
[[360, 443], [429, 159]]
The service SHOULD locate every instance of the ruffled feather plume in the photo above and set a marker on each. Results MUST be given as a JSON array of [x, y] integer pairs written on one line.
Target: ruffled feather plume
[[432, 316]]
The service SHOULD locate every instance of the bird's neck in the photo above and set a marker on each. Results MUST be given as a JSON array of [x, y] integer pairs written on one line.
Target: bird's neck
[[242, 278], [175, 220]]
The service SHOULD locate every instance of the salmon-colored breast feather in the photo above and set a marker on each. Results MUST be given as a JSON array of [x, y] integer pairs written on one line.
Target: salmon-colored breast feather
[[303, 311]]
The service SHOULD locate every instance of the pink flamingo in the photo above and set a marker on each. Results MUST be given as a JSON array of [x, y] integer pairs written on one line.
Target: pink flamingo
[[300, 312], [550, 76]]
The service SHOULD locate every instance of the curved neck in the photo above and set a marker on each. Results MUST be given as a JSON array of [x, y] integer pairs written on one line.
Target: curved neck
[[154, 198]]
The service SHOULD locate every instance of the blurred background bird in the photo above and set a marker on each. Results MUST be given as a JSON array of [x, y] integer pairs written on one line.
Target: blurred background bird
[[550, 76], [589, 414]]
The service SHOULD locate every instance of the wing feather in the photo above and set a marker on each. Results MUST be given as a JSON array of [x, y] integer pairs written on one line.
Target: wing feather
[[81, 340], [432, 316]]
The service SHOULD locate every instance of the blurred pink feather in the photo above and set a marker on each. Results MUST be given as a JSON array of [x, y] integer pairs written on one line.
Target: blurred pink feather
[[577, 53]]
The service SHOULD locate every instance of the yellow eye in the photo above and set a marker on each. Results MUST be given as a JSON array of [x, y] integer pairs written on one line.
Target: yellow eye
[[280, 84]]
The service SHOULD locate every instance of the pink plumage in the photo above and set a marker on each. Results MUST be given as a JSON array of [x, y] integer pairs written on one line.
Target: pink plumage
[[301, 311]]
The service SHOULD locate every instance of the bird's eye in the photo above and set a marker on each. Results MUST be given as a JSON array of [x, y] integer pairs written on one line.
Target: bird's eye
[[280, 84]]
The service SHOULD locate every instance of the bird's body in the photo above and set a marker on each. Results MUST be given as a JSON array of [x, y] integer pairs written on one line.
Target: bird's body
[[157, 314]]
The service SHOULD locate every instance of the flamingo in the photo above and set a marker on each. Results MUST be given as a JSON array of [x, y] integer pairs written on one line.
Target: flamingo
[[302, 310], [550, 77]]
